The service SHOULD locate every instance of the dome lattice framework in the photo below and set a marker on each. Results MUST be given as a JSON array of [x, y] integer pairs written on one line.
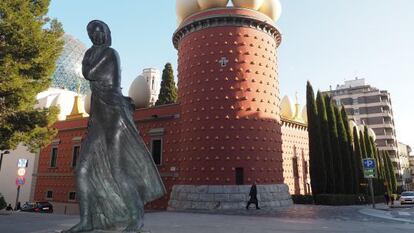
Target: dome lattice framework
[[68, 73]]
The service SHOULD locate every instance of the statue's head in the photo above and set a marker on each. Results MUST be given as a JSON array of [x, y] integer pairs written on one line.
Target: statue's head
[[99, 33]]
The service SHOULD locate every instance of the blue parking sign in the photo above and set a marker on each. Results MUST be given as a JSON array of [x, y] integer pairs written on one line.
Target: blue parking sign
[[369, 163], [370, 170]]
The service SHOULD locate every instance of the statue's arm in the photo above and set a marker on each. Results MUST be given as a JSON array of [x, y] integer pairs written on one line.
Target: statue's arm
[[89, 70], [86, 64]]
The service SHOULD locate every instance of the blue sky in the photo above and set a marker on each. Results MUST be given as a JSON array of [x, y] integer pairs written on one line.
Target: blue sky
[[324, 41]]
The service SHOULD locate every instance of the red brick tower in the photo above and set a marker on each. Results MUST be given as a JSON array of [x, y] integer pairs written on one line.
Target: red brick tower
[[229, 92]]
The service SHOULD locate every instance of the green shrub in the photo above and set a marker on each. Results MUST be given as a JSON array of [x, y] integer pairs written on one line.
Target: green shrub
[[302, 199], [3, 203], [345, 199]]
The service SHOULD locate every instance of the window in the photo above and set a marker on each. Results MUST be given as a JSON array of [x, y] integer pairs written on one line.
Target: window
[[305, 167], [156, 151], [152, 85], [49, 194], [356, 111], [75, 155], [355, 100], [295, 167], [338, 102], [53, 159], [72, 196]]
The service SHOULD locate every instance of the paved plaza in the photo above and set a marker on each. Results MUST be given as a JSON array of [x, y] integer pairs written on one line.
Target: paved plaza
[[298, 218]]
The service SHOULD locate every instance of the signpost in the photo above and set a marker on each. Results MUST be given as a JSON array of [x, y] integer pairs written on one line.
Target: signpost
[[370, 172], [20, 180]]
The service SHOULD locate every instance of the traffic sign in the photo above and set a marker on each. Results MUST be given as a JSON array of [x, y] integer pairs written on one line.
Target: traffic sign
[[20, 181], [22, 163], [21, 171], [369, 168], [369, 163]]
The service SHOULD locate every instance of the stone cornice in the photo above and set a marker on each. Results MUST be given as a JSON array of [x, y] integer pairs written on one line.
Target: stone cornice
[[295, 124], [221, 20]]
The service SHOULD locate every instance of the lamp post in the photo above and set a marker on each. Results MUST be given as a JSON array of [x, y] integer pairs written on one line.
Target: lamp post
[[1, 156]]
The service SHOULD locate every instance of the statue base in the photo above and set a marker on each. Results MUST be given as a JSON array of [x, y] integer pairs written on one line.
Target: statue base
[[112, 231]]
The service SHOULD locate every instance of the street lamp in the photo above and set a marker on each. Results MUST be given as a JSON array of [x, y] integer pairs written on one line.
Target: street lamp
[[1, 156]]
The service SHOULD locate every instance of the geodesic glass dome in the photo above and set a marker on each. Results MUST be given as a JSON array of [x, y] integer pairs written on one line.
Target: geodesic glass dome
[[68, 73]]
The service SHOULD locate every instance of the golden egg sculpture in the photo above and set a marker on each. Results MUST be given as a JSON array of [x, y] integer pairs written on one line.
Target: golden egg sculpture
[[185, 8], [251, 4], [87, 102], [286, 108], [207, 4], [140, 92], [179, 21], [271, 8]]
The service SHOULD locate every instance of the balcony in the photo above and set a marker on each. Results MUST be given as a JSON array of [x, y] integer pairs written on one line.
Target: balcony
[[388, 147], [384, 125], [386, 136]]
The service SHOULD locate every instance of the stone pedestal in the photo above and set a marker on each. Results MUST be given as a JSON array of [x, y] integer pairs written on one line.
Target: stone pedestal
[[209, 197]]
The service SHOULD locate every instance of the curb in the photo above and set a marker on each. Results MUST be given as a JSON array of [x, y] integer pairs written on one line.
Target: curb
[[384, 215]]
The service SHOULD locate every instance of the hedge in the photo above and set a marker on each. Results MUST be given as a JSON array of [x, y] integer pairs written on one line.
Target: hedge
[[302, 199], [3, 203], [335, 199]]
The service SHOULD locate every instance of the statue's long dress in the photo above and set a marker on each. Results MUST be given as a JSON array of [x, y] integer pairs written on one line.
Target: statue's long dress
[[113, 152]]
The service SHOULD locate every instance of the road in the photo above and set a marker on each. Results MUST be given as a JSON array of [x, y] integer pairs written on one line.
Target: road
[[298, 218]]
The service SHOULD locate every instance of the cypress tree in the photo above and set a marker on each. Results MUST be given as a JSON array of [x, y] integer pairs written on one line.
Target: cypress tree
[[387, 172], [349, 135], [378, 183], [391, 170], [316, 157], [325, 138], [384, 171], [359, 176], [381, 173], [30, 44], [168, 91], [368, 144], [364, 156], [334, 141], [348, 173], [362, 145]]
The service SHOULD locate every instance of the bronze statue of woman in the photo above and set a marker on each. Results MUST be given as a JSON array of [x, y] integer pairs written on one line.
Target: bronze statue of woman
[[116, 175]]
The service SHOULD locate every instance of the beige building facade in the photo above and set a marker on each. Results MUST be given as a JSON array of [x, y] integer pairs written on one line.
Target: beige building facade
[[8, 175], [404, 152], [411, 158], [369, 106]]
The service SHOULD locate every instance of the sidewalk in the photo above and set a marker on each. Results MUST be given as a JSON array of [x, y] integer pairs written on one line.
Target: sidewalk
[[393, 213]]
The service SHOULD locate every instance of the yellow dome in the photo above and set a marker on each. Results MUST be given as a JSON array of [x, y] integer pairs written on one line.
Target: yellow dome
[[272, 8], [251, 4], [286, 108], [186, 8], [305, 114], [207, 4]]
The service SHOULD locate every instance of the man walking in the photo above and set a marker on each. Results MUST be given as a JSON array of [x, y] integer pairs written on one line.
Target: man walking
[[253, 197]]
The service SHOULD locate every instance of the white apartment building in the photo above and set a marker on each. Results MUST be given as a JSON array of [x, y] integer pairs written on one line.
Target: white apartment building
[[367, 105]]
